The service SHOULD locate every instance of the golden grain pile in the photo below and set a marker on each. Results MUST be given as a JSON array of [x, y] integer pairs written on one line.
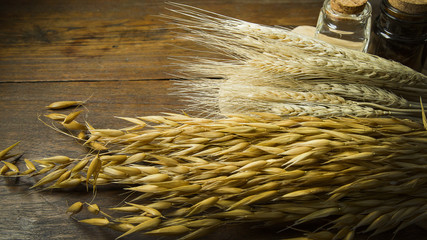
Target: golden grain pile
[[189, 175]]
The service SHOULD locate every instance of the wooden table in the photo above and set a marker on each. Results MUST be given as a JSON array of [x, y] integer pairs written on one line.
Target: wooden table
[[114, 53]]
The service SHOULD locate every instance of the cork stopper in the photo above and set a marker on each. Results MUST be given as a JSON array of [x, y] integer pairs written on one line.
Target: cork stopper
[[410, 6], [349, 6]]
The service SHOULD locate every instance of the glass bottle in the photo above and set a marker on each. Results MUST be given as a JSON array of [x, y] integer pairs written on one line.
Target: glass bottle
[[345, 23], [400, 33]]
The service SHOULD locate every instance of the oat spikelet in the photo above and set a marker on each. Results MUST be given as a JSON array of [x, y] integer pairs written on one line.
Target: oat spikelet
[[189, 175]]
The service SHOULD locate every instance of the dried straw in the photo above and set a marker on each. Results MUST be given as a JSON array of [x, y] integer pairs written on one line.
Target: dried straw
[[189, 175]]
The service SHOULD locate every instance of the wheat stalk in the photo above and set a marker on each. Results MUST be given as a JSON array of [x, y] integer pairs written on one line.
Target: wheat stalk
[[229, 33], [263, 56]]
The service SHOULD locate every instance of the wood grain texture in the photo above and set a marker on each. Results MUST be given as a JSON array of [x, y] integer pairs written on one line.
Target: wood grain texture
[[47, 40], [29, 214], [114, 53], [23, 103]]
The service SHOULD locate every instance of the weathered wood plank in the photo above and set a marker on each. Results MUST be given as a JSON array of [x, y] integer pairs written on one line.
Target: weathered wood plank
[[108, 40], [29, 214], [22, 103]]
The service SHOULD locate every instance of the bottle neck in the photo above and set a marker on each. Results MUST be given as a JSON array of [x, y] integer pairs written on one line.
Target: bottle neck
[[335, 15], [398, 25]]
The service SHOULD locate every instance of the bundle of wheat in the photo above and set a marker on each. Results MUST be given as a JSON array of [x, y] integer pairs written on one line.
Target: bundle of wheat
[[189, 175], [275, 70]]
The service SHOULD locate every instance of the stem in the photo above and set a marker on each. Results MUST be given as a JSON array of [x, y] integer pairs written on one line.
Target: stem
[[389, 108]]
